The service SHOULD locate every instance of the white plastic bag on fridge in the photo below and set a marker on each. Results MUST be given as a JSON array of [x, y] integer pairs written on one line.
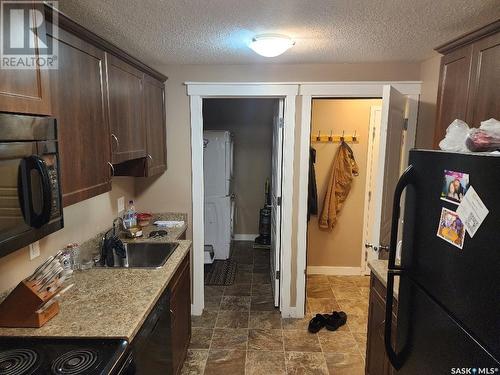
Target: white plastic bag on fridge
[[456, 135]]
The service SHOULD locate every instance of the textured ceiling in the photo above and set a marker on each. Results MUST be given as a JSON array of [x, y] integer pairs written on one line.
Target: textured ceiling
[[340, 31]]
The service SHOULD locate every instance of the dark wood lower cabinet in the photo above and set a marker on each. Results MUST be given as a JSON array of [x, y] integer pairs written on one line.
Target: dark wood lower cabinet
[[180, 310], [160, 346], [377, 362]]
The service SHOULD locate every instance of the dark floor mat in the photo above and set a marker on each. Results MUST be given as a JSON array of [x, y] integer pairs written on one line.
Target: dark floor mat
[[221, 272]]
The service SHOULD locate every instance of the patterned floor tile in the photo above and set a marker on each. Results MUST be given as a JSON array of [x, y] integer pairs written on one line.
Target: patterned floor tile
[[301, 341], [205, 320], [232, 319], [223, 361], [230, 338], [298, 363], [200, 338], [345, 363], [241, 332], [265, 363], [265, 320], [195, 362], [232, 303]]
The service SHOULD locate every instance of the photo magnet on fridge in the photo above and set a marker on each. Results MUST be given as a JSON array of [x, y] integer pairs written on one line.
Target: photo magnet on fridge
[[455, 185], [451, 228]]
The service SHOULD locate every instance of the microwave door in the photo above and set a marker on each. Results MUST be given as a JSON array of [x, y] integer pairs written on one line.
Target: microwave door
[[12, 222]]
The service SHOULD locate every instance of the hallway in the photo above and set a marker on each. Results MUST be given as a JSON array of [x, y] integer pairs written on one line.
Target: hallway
[[240, 331]]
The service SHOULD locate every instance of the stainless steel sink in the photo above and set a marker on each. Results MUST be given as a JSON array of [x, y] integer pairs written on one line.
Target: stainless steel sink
[[145, 255]]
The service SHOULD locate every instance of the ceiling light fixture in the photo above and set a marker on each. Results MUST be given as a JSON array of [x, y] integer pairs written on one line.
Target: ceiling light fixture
[[271, 45]]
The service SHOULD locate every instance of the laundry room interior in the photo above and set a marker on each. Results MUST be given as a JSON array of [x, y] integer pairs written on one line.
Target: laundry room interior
[[238, 170], [335, 235]]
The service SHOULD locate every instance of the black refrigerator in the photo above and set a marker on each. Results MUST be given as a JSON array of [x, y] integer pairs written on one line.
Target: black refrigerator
[[449, 294]]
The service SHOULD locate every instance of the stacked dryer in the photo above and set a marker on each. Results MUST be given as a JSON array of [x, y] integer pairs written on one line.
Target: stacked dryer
[[219, 197]]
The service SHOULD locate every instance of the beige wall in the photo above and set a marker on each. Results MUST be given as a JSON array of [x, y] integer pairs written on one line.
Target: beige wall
[[342, 246], [82, 221], [251, 123], [172, 190], [429, 75]]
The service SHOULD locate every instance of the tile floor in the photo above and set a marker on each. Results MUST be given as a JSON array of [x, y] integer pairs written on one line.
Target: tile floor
[[240, 331]]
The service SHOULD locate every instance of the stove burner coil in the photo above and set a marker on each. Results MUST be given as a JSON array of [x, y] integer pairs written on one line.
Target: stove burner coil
[[75, 362], [18, 362]]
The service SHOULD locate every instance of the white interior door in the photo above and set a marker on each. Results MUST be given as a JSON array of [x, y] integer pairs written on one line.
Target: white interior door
[[371, 174], [277, 162], [387, 148]]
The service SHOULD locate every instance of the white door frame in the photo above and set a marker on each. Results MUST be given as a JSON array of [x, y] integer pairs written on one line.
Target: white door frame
[[337, 90], [198, 91]]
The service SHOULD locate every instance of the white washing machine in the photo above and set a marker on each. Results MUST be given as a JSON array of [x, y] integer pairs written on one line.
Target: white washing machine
[[219, 201], [219, 224]]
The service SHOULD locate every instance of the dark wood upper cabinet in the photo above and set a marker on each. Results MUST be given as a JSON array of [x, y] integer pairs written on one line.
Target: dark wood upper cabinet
[[484, 93], [26, 90], [109, 106], [155, 161], [453, 89], [154, 116], [78, 101], [125, 110], [469, 79]]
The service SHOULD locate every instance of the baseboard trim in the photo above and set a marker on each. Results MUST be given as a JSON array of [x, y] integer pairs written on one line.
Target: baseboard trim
[[196, 310], [245, 237], [336, 271]]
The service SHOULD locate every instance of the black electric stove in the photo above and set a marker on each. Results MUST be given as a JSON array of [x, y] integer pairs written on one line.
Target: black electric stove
[[44, 356]]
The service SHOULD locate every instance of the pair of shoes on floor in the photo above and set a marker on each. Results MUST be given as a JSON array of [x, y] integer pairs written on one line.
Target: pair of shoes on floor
[[332, 321]]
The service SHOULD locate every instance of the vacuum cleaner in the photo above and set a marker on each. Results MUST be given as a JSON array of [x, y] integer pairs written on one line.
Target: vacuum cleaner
[[263, 241]]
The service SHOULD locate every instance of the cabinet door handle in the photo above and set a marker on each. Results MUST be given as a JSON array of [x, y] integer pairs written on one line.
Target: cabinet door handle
[[150, 157], [112, 169], [116, 140]]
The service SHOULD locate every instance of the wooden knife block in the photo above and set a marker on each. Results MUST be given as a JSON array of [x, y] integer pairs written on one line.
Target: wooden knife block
[[19, 309]]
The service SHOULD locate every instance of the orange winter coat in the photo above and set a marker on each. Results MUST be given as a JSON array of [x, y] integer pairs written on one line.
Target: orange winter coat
[[343, 171]]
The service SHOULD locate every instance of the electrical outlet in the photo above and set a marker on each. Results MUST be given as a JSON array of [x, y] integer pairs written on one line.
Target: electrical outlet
[[121, 205], [34, 250]]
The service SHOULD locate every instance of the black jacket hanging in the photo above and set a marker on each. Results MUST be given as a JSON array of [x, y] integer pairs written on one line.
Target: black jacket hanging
[[312, 198]]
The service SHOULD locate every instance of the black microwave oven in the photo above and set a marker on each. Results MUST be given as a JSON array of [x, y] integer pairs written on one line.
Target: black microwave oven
[[30, 191]]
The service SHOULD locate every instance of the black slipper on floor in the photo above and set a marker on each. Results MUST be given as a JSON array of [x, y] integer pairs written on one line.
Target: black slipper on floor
[[336, 320], [318, 322]]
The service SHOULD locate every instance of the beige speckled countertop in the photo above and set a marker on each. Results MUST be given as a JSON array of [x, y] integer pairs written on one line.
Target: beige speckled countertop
[[172, 233], [110, 302], [379, 269]]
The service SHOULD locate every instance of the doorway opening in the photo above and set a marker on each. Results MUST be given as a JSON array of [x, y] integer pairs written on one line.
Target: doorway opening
[[335, 281], [242, 177], [355, 182], [336, 232]]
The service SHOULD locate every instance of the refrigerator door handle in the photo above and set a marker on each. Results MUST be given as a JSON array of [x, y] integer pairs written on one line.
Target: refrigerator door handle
[[405, 180]]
